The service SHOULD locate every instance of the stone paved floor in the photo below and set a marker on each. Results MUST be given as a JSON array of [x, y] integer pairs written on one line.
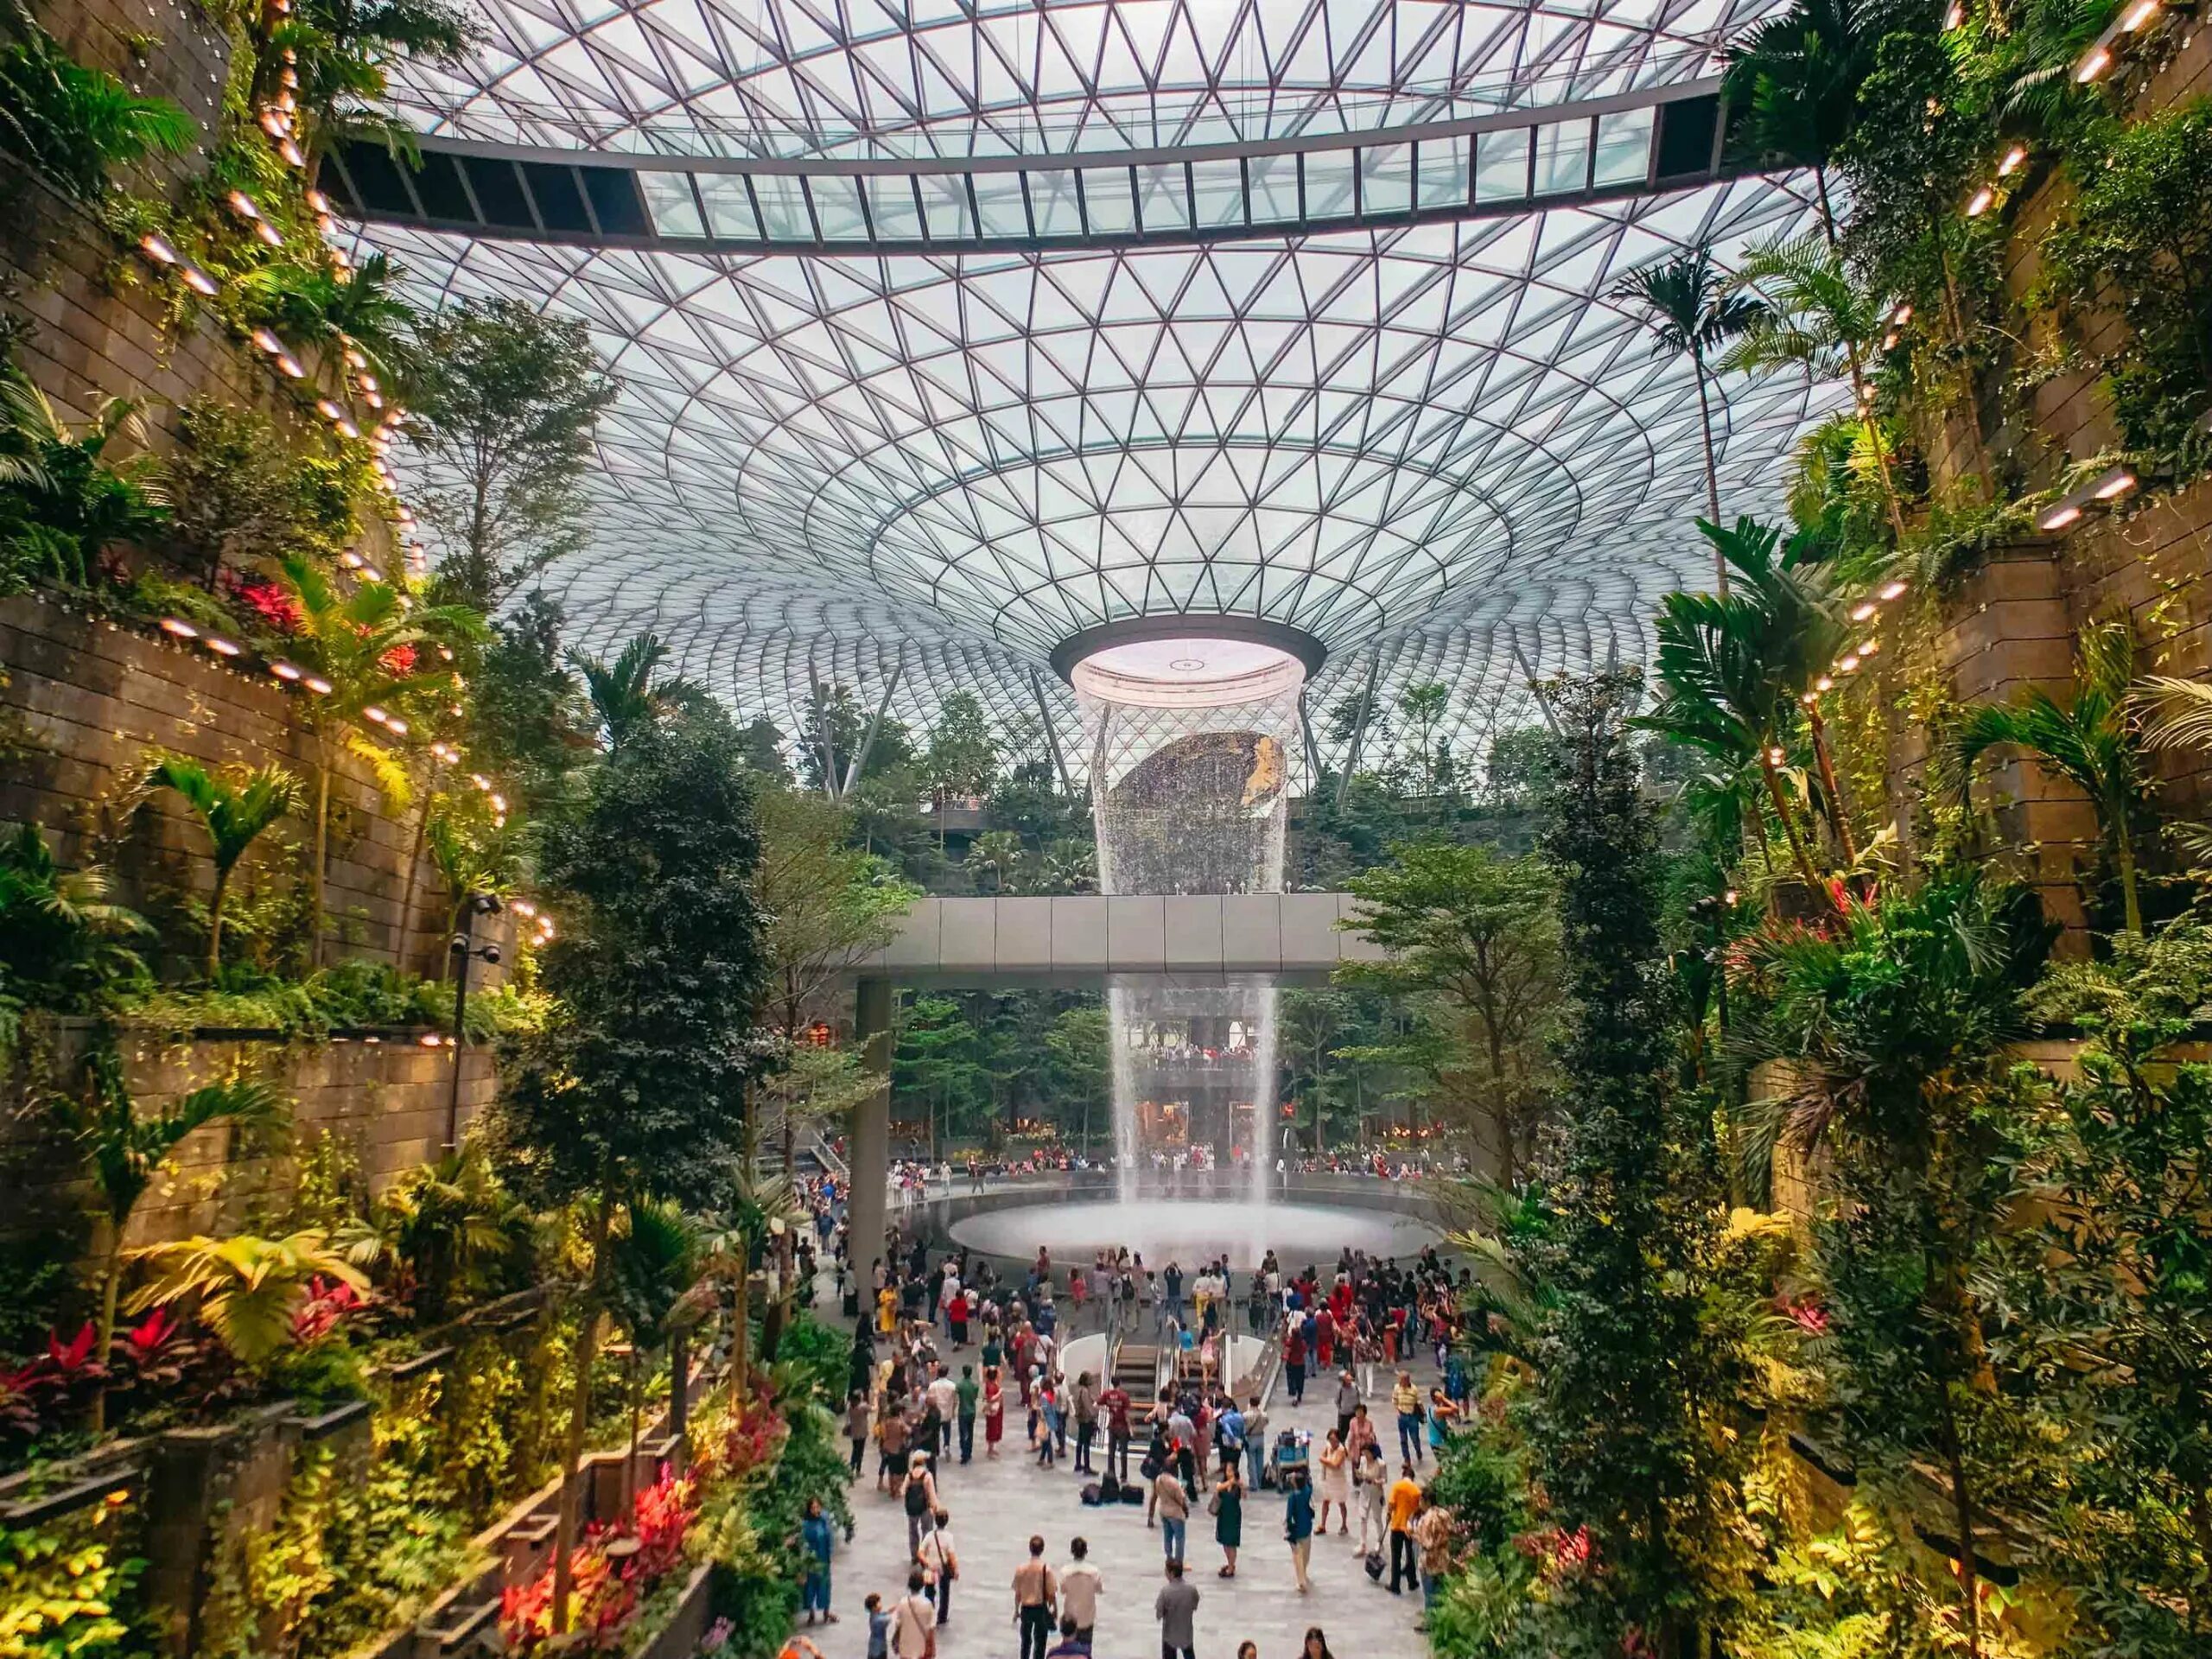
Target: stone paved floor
[[995, 1507]]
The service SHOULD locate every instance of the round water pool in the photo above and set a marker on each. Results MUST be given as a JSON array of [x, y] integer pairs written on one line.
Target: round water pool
[[1164, 1231]]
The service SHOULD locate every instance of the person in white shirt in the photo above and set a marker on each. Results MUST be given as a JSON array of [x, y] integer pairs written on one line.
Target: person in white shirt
[[941, 1561], [944, 1394], [1080, 1584], [913, 1621]]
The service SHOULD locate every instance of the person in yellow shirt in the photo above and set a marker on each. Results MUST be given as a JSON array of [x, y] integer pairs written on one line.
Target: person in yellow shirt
[[1403, 1502], [886, 1311]]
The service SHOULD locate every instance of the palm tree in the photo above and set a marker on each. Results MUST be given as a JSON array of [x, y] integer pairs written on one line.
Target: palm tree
[[443, 1221], [1732, 668], [1817, 318], [2090, 740], [655, 1284], [1693, 310], [998, 851], [1793, 85], [233, 816], [247, 1288], [325, 307], [472, 855], [73, 499], [624, 694], [127, 1148], [361, 644]]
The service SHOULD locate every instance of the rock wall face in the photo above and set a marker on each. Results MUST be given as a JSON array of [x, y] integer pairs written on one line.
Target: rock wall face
[[86, 706]]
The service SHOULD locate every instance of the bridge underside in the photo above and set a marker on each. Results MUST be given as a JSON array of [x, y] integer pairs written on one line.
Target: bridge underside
[[1292, 938]]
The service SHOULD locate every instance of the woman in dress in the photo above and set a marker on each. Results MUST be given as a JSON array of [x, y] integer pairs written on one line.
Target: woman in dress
[[1336, 1484], [994, 1414], [1229, 1515], [1373, 1481]]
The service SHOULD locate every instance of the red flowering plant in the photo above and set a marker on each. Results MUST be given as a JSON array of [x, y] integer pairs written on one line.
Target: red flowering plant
[[609, 1585], [399, 662], [39, 1396], [1808, 1315], [1559, 1554], [276, 606]]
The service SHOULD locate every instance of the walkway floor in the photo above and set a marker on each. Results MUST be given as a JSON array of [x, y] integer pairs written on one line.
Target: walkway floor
[[997, 1506]]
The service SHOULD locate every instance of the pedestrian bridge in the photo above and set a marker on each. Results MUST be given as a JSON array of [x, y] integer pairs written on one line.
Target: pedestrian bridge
[[1292, 937]]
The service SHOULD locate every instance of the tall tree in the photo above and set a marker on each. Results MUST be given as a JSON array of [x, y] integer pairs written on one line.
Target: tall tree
[[1079, 1046], [1692, 312], [638, 1089], [506, 402], [366, 647], [1625, 1442], [1474, 932], [962, 759], [1792, 84]]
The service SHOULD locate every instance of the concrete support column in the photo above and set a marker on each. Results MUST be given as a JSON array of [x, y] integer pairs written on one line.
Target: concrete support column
[[871, 1138]]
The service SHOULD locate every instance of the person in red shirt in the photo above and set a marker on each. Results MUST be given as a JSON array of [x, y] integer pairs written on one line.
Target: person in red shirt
[[1324, 1337], [1293, 1362], [1114, 1405]]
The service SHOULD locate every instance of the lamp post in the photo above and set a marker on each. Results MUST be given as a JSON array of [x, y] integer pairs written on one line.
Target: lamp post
[[464, 949]]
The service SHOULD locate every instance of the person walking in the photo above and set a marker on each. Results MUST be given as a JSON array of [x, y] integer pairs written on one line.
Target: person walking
[[1336, 1482], [1297, 1524], [1034, 1593], [856, 1428], [1405, 1400], [1432, 1535], [994, 1414], [913, 1621], [1315, 1646], [1069, 1646], [1229, 1513], [920, 1499], [1347, 1403], [966, 1392], [1080, 1583], [1403, 1502], [1370, 1478], [1176, 1607], [816, 1541], [1256, 1444], [944, 1400], [940, 1559], [1172, 1505], [1293, 1362]]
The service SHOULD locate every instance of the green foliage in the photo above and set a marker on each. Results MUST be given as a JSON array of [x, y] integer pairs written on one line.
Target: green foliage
[[1630, 1425], [63, 1597], [2091, 739], [2138, 242], [639, 1088], [1692, 312], [350, 995], [1473, 943], [506, 399], [244, 1289], [62, 941], [241, 499], [63, 501], [233, 816], [76, 125], [527, 715]]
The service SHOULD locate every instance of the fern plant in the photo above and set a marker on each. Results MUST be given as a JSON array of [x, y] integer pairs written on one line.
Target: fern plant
[[74, 125]]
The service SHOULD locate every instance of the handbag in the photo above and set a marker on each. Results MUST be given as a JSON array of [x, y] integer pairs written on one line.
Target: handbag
[[1213, 1504]]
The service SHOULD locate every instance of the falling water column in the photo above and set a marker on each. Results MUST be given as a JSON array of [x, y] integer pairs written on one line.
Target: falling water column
[[1188, 738]]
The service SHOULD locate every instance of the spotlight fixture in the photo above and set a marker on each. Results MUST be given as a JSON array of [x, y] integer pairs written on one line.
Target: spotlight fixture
[[1864, 610], [221, 647], [317, 685], [197, 280], [2114, 485], [1824, 683], [328, 411], [266, 339], [2011, 164], [1891, 590], [2061, 516], [284, 670], [157, 248], [242, 205], [374, 712], [1979, 205], [180, 627]]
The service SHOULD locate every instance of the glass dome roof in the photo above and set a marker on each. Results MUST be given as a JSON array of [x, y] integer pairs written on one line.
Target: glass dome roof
[[1435, 447]]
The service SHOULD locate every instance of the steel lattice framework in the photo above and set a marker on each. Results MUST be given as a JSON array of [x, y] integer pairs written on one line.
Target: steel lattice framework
[[1434, 446]]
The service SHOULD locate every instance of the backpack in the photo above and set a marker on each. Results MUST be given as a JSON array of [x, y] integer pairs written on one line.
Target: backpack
[[1109, 1488], [917, 1499]]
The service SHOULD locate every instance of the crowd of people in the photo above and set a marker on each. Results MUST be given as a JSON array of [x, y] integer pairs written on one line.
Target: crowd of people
[[954, 1363]]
